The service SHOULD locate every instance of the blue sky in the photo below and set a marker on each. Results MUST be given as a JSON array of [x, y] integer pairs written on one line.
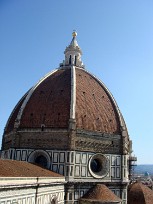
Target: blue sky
[[116, 37]]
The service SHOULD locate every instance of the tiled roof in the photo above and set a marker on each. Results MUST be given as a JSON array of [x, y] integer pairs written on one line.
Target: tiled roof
[[50, 102], [139, 194], [12, 168], [95, 110], [102, 194], [13, 116]]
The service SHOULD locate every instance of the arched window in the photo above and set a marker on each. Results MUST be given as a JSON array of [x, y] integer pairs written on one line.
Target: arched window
[[42, 127], [70, 59], [75, 60], [40, 157]]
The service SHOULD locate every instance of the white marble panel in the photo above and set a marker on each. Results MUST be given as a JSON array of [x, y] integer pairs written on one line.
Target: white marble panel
[[77, 158], [18, 154], [24, 155], [84, 158], [113, 172], [118, 172], [77, 170], [118, 160], [113, 160], [62, 157], [83, 171]]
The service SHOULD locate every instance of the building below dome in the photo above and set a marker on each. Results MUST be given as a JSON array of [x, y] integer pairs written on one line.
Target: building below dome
[[70, 123], [22, 182]]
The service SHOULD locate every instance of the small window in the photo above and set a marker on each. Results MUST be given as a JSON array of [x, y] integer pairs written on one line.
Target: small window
[[70, 196], [67, 170], [68, 156], [42, 127], [70, 59], [75, 60]]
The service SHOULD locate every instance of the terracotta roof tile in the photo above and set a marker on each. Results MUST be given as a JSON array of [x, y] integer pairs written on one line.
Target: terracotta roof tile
[[95, 110], [50, 102], [12, 168], [48, 105]]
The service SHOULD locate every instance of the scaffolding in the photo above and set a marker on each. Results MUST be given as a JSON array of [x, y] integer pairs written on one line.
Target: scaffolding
[[132, 164]]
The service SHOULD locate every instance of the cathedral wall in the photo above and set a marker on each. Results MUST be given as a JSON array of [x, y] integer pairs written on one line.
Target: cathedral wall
[[30, 191], [75, 165], [75, 191]]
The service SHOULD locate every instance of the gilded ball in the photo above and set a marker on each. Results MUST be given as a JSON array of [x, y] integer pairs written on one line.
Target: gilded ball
[[74, 34]]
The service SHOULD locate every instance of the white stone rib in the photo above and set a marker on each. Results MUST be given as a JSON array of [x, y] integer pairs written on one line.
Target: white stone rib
[[30, 94], [8, 121], [122, 123], [73, 93]]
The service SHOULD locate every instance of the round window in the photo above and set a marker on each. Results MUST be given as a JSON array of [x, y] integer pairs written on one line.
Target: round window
[[40, 157], [41, 161], [98, 166]]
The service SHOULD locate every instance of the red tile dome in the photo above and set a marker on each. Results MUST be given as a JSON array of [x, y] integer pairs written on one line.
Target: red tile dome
[[138, 193], [68, 98], [100, 194], [48, 103]]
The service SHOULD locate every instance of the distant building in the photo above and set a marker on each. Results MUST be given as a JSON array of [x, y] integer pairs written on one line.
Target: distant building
[[70, 123], [144, 179]]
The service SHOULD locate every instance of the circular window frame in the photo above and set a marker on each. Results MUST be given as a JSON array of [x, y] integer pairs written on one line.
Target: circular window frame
[[103, 160], [32, 157]]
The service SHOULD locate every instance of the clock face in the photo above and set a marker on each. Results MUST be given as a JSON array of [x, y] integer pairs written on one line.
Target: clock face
[[98, 165]]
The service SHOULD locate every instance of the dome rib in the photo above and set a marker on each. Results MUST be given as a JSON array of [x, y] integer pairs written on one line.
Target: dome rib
[[96, 108], [73, 93], [111, 97], [121, 120], [29, 96], [49, 105], [11, 120]]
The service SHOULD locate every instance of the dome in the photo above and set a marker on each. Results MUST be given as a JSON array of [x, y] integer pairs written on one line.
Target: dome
[[139, 194], [68, 98], [100, 194], [48, 103]]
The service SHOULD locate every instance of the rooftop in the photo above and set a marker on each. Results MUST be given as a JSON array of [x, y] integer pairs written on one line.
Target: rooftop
[[12, 168], [101, 194], [139, 194]]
